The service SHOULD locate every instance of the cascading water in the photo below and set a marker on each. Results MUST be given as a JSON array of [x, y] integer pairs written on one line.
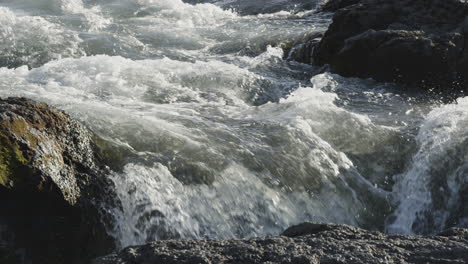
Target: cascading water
[[211, 133], [431, 193]]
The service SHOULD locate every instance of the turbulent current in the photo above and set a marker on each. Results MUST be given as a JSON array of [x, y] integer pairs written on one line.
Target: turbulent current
[[213, 133]]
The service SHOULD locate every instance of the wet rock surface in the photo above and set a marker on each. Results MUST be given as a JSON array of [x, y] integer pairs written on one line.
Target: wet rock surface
[[421, 43], [50, 187], [334, 5], [305, 243], [302, 50]]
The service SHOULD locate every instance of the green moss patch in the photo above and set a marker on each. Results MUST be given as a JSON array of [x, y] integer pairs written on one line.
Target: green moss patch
[[13, 164]]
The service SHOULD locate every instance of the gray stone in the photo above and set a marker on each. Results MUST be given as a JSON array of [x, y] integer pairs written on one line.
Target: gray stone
[[310, 243]]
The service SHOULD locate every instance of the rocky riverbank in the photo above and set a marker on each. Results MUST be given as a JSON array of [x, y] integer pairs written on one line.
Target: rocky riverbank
[[306, 243]]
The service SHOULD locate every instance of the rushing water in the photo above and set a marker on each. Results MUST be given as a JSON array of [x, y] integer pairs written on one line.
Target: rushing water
[[213, 134]]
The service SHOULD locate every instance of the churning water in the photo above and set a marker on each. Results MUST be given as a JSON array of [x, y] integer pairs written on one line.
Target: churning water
[[211, 133]]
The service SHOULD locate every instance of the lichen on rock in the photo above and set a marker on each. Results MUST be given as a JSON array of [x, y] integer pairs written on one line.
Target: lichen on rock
[[51, 183], [12, 163]]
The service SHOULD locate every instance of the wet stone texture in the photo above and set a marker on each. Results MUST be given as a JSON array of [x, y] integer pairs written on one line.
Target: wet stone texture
[[417, 42], [305, 243], [50, 187]]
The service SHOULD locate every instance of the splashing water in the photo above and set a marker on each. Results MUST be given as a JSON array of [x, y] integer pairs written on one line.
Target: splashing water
[[431, 191], [211, 133]]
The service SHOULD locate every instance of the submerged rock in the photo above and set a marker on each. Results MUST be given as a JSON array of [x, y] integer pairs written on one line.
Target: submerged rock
[[305, 243], [50, 185], [417, 42], [302, 50]]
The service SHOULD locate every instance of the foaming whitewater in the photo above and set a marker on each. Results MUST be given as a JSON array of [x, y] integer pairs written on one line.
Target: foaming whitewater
[[210, 133], [33, 40], [431, 192]]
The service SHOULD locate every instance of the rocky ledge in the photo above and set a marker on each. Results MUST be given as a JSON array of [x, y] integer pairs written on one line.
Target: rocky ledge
[[305, 243], [50, 187], [422, 43]]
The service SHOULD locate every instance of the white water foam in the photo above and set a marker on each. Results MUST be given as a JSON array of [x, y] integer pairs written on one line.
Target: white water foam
[[221, 136], [208, 155], [430, 187]]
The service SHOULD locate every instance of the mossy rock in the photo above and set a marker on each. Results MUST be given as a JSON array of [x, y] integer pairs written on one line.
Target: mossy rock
[[50, 181], [14, 169]]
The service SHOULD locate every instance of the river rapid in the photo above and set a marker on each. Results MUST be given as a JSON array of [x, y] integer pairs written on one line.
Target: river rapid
[[214, 134]]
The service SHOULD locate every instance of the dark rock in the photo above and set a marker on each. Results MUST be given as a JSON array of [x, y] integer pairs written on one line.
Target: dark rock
[[416, 42], [307, 229], [302, 50], [335, 5], [50, 186], [305, 243]]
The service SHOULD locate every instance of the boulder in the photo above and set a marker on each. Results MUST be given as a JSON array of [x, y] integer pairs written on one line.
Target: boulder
[[417, 42], [310, 243], [51, 186]]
